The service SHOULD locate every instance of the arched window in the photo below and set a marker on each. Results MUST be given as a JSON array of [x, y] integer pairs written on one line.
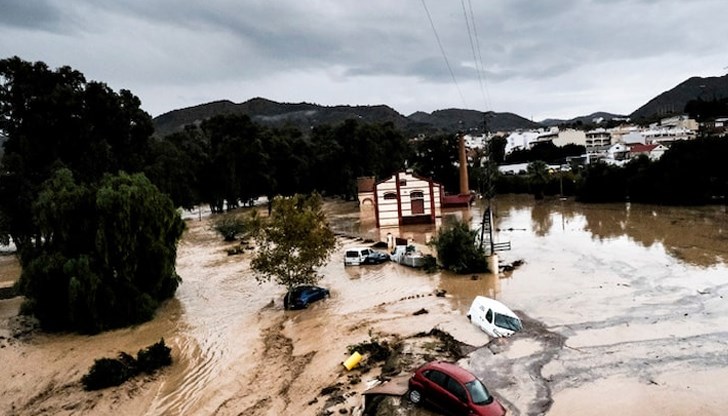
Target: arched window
[[417, 199], [390, 195]]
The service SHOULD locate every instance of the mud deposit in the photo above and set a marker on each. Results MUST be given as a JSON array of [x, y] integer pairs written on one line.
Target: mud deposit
[[624, 310]]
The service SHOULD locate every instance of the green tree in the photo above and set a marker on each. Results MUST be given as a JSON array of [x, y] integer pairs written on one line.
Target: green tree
[[294, 242], [457, 250], [436, 157], [53, 119], [105, 255], [538, 176]]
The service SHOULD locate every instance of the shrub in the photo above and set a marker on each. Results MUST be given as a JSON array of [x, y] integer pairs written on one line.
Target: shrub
[[229, 227], [457, 251], [153, 357], [109, 372]]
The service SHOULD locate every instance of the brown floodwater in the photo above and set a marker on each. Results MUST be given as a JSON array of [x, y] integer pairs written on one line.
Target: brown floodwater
[[625, 310]]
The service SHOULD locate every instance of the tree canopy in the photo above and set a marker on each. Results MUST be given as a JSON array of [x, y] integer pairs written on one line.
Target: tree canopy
[[457, 250], [106, 254], [294, 242], [54, 119], [97, 246]]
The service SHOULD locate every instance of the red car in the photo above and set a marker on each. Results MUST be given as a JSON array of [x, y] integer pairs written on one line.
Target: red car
[[452, 390]]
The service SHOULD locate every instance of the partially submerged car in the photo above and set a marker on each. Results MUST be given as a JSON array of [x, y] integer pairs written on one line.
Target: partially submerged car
[[452, 390], [301, 296], [493, 317], [363, 255]]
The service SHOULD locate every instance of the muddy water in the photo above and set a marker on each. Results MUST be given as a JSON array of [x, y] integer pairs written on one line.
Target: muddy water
[[623, 301]]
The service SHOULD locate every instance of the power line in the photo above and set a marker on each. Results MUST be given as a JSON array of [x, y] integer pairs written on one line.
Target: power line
[[484, 84], [472, 48], [444, 56]]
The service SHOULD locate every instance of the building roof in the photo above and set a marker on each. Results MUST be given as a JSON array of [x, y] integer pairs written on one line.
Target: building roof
[[642, 148]]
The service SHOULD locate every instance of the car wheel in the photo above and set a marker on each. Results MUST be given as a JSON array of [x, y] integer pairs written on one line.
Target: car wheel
[[414, 396]]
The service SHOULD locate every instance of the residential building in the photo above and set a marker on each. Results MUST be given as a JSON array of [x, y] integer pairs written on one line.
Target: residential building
[[652, 151], [598, 138]]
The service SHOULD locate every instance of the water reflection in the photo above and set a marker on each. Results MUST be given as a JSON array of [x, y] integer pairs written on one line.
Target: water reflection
[[695, 235]]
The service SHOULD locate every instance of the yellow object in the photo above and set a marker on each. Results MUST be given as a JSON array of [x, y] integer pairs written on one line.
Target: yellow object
[[352, 361]]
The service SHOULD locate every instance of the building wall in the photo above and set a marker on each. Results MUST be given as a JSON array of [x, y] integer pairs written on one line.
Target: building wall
[[402, 186], [570, 136]]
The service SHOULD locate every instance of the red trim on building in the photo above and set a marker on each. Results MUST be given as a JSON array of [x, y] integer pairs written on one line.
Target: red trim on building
[[399, 200], [432, 201], [376, 204]]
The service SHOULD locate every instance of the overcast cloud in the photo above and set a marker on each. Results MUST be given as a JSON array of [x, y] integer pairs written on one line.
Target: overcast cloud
[[537, 58]]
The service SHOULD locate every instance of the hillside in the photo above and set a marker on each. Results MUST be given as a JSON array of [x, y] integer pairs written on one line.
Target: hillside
[[452, 120], [271, 113], [673, 101], [583, 120], [305, 115]]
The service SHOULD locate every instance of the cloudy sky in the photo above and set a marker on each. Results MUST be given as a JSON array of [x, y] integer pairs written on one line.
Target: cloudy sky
[[536, 58]]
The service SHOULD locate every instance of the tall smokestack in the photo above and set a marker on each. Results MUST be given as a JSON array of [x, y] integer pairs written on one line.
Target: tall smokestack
[[464, 187]]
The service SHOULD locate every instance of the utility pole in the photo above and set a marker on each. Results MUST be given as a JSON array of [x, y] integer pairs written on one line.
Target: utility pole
[[488, 190]]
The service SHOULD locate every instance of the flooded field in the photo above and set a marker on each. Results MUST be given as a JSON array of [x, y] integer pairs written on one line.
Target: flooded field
[[624, 309]]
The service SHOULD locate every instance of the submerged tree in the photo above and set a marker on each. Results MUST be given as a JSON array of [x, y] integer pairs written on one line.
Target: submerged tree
[[538, 177], [457, 250], [97, 246], [294, 242], [105, 257]]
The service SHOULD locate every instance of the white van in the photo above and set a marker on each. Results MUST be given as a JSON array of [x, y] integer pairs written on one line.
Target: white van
[[493, 317]]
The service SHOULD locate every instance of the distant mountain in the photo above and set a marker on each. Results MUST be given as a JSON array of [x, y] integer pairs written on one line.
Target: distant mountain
[[271, 113], [305, 115], [453, 120], [673, 101], [593, 118]]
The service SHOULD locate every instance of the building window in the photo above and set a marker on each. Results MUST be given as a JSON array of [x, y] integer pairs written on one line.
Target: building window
[[403, 182], [417, 199], [390, 195]]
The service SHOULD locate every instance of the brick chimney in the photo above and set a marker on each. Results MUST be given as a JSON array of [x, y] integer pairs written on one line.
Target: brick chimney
[[464, 187]]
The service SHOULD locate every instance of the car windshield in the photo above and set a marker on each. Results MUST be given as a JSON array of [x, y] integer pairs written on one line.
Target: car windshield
[[478, 392], [508, 322]]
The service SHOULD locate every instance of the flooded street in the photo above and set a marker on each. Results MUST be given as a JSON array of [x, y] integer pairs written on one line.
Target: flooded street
[[625, 310]]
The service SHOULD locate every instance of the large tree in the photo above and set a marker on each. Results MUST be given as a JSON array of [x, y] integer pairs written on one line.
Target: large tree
[[294, 243], [97, 246], [54, 119], [105, 256]]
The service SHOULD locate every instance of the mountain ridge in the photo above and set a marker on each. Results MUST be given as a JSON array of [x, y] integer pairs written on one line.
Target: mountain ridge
[[305, 116]]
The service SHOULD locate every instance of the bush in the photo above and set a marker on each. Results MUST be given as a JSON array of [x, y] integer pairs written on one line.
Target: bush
[[457, 251], [229, 226], [153, 357], [109, 372]]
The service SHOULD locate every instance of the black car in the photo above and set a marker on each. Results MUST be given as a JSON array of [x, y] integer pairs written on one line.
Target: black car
[[301, 296], [376, 257]]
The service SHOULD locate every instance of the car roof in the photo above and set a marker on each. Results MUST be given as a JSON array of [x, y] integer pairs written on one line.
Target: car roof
[[304, 287], [451, 369], [495, 305], [358, 248]]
